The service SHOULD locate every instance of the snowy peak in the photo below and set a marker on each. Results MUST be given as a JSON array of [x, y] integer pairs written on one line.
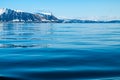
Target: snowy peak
[[3, 10], [7, 11]]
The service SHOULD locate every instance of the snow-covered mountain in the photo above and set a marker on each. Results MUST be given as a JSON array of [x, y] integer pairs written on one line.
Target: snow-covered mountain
[[8, 15]]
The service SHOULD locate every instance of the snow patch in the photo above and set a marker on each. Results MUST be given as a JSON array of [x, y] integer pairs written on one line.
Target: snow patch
[[18, 10], [15, 20], [45, 13]]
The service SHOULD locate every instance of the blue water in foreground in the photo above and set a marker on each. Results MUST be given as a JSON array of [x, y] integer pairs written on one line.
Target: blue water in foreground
[[59, 51]]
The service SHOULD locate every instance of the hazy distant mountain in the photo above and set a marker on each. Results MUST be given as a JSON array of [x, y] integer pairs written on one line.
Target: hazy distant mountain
[[89, 21], [8, 15]]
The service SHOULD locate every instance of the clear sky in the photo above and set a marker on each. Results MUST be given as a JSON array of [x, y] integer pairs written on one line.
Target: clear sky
[[68, 8]]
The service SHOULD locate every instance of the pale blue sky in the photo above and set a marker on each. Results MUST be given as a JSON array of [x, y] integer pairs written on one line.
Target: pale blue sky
[[68, 8]]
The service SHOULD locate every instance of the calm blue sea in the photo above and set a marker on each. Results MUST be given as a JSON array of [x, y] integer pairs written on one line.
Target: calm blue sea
[[51, 51]]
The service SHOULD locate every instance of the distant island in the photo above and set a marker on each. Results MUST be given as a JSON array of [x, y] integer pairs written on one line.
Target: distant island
[[9, 15]]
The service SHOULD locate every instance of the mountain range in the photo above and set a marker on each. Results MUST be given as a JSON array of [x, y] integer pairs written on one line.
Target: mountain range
[[9, 15]]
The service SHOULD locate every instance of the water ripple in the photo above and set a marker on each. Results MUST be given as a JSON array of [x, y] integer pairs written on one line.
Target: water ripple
[[31, 51]]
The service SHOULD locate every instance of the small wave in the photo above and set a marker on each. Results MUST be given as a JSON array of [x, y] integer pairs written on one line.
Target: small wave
[[24, 45]]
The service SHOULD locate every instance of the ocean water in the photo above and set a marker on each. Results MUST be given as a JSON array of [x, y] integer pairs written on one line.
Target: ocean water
[[51, 51]]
